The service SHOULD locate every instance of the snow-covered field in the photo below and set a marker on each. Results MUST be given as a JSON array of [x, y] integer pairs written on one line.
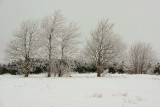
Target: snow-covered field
[[80, 90]]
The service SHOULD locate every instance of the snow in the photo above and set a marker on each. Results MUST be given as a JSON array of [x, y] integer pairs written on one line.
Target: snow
[[80, 90]]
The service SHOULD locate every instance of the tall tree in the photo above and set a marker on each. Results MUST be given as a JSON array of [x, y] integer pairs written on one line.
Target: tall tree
[[68, 44], [51, 27], [24, 45], [104, 45], [141, 56]]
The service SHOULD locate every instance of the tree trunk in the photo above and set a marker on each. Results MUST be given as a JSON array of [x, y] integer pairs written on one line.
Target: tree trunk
[[49, 64], [60, 65], [98, 72], [60, 73], [98, 68], [49, 70], [60, 70], [26, 66]]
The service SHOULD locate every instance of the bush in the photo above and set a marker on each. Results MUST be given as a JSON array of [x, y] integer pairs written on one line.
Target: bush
[[120, 71], [13, 72], [83, 69], [156, 70], [4, 70], [37, 71], [112, 70]]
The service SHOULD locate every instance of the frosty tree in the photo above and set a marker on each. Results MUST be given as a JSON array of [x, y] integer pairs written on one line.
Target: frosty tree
[[104, 45], [24, 45], [51, 27], [141, 56], [68, 44]]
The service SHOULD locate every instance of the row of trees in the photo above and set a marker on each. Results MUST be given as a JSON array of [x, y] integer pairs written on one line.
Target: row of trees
[[53, 38], [50, 38]]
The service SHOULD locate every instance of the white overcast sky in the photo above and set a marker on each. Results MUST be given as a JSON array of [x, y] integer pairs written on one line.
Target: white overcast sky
[[135, 20]]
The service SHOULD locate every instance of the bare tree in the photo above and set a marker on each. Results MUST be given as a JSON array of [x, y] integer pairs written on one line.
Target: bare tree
[[104, 45], [24, 45], [141, 56], [68, 45], [51, 27]]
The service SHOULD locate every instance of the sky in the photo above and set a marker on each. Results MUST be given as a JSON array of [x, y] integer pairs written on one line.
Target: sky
[[135, 20]]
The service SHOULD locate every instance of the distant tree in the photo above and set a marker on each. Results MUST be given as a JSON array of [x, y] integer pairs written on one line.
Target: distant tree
[[24, 45], [141, 57], [51, 27], [104, 45]]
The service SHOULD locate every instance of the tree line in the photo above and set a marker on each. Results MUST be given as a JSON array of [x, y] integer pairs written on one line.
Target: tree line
[[54, 39]]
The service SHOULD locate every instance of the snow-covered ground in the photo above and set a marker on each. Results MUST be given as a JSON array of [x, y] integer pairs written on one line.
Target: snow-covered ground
[[80, 90]]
